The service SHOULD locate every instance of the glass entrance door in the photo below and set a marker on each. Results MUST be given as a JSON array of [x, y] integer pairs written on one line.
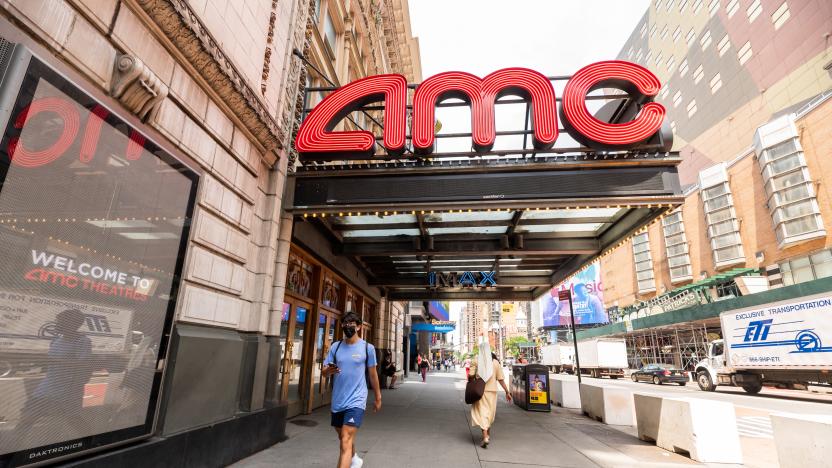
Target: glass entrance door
[[293, 327], [324, 340]]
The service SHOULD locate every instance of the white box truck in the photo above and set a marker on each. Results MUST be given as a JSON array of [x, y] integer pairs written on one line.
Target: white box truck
[[558, 357], [782, 343], [600, 357]]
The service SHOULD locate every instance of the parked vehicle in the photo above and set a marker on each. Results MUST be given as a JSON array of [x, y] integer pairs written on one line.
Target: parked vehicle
[[659, 374], [600, 357], [558, 357], [774, 344]]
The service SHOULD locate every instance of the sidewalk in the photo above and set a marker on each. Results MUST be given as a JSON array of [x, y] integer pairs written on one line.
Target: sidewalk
[[428, 425]]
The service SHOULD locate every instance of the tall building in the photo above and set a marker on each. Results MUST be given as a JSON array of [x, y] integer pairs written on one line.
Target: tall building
[[472, 321], [747, 87], [148, 143]]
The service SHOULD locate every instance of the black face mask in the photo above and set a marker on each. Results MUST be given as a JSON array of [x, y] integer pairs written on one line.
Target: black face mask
[[349, 332]]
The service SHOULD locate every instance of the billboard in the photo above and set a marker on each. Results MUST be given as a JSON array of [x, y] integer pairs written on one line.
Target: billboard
[[94, 218], [439, 310], [587, 300]]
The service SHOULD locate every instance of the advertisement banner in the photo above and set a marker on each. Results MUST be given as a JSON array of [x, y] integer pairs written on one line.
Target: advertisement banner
[[587, 300], [538, 393], [94, 219], [781, 335]]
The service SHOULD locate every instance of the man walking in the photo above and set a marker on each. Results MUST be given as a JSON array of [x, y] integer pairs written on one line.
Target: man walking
[[353, 363]]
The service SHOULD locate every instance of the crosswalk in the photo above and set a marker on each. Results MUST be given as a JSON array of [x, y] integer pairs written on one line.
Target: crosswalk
[[755, 426]]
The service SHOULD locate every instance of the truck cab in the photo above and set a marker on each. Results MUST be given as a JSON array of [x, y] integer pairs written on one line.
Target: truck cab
[[714, 370]]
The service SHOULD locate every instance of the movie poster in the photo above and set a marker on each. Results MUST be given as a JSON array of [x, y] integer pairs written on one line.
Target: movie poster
[[587, 300], [538, 393]]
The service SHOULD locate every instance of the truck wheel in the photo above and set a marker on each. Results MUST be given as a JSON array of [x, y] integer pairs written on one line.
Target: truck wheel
[[705, 382], [753, 389], [657, 380]]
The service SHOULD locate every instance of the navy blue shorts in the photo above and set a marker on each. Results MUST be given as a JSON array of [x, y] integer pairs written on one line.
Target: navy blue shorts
[[348, 417]]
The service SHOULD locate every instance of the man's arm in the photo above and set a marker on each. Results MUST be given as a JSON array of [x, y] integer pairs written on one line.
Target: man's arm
[[375, 386]]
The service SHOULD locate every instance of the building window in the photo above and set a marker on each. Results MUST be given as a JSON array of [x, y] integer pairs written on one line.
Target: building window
[[705, 41], [789, 188], [691, 36], [698, 74], [716, 83], [732, 7], [745, 53], [648, 57], [808, 268], [713, 7], [664, 32], [643, 29], [639, 55], [653, 31], [682, 5], [692, 108], [670, 63], [330, 34], [643, 263], [676, 247], [754, 10], [780, 15], [724, 45], [677, 99], [683, 68], [665, 90], [659, 59], [677, 33], [673, 126], [697, 6], [669, 4], [723, 227]]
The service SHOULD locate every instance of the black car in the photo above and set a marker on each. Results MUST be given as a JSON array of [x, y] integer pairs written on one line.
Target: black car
[[659, 374]]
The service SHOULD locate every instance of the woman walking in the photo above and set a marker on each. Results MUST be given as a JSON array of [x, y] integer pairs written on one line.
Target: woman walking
[[484, 410], [423, 368]]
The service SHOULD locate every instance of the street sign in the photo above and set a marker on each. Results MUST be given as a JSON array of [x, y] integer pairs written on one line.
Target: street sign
[[563, 295]]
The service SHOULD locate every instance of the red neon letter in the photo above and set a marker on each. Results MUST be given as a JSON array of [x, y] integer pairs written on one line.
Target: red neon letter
[[481, 94], [317, 140], [21, 156], [635, 80]]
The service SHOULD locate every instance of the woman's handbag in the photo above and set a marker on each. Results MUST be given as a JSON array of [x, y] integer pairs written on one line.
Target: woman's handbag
[[474, 390]]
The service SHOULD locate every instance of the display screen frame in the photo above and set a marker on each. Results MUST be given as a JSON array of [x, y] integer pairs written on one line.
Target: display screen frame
[[16, 92]]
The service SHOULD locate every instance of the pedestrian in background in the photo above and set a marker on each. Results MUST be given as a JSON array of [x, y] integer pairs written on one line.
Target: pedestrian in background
[[484, 410], [423, 368]]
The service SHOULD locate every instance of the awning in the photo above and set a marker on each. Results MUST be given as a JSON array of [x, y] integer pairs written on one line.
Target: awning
[[433, 328]]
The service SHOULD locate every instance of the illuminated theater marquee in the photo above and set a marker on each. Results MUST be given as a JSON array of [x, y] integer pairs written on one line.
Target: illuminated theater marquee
[[317, 140]]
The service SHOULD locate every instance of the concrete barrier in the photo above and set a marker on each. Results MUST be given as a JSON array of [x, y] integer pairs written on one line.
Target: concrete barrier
[[648, 409], [706, 430], [607, 403], [802, 439], [566, 391]]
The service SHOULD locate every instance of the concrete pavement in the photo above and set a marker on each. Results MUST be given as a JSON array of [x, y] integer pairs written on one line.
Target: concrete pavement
[[428, 425]]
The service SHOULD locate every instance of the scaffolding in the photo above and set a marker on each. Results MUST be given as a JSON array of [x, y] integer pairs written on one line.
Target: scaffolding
[[681, 346]]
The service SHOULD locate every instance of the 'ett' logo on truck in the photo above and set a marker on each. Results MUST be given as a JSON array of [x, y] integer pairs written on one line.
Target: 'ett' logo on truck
[[757, 330]]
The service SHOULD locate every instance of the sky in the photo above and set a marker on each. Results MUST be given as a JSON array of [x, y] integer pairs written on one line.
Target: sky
[[554, 37]]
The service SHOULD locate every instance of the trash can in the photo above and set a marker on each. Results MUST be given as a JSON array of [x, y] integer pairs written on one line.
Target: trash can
[[530, 387]]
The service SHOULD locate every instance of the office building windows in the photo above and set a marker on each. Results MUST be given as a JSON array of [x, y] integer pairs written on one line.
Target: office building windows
[[676, 247], [790, 190], [724, 45], [754, 10], [705, 41], [716, 83], [720, 216], [780, 15], [745, 53], [808, 268], [643, 264]]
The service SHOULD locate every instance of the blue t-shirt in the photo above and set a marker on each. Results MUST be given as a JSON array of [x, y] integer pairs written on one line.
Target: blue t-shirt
[[349, 389]]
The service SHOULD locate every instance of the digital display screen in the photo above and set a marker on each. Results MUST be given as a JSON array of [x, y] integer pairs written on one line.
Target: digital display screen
[[587, 301], [93, 220]]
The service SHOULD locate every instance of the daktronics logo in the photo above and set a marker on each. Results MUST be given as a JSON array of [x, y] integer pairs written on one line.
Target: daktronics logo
[[316, 139]]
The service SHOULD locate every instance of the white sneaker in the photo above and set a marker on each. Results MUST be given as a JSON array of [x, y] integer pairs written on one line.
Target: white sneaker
[[356, 461]]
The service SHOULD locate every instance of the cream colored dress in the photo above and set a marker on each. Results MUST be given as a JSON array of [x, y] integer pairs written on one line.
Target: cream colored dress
[[484, 410]]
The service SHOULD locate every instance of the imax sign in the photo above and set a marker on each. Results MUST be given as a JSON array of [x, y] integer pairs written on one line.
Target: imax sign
[[467, 279]]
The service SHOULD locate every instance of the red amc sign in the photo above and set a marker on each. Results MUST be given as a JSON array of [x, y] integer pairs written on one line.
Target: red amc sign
[[316, 139]]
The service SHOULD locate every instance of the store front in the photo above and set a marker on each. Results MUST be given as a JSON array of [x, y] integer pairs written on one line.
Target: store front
[[94, 221], [316, 298]]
